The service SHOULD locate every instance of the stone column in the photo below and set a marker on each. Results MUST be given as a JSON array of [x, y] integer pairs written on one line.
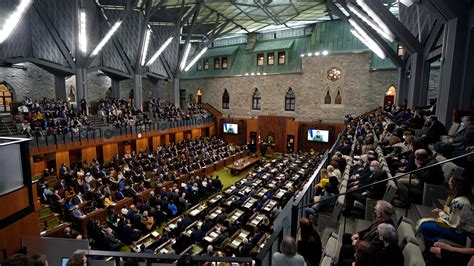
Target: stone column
[[115, 88], [60, 87], [176, 91], [138, 91], [155, 91]]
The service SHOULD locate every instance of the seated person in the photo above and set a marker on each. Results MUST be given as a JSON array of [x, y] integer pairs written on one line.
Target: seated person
[[453, 256], [433, 175], [456, 221], [391, 254], [463, 138], [112, 243], [325, 203], [375, 191], [383, 214]]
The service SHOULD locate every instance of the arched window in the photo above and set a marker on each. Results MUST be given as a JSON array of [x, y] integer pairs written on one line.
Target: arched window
[[290, 100], [6, 98], [256, 100], [338, 98], [327, 99], [225, 99]]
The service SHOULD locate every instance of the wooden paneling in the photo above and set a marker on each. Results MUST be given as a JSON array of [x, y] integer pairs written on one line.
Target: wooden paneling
[[273, 125], [61, 157], [10, 236], [156, 142], [179, 136], [196, 133], [166, 139], [109, 151], [142, 144], [252, 126], [13, 202], [37, 167], [89, 153]]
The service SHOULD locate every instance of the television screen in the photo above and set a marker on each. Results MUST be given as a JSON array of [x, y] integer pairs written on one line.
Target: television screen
[[318, 135], [231, 128], [64, 261]]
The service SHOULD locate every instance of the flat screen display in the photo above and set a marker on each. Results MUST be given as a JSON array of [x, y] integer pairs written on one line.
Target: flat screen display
[[318, 135], [64, 261], [231, 128]]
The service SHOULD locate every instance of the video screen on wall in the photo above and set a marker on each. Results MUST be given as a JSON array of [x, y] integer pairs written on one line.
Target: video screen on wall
[[231, 128], [318, 135]]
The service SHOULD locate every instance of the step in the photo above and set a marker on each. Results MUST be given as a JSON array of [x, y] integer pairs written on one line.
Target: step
[[421, 211]]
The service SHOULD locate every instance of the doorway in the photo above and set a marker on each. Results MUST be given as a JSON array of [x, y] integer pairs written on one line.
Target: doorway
[[6, 98], [198, 96], [389, 96]]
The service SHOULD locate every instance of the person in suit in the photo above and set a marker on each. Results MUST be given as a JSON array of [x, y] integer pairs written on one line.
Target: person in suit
[[78, 198], [119, 195], [435, 130], [391, 254], [463, 138], [197, 234]]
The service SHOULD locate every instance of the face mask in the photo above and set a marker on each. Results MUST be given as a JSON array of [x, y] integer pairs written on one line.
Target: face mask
[[372, 169], [462, 124]]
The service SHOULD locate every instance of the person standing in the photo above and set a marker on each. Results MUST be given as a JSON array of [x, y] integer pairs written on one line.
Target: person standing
[[288, 256]]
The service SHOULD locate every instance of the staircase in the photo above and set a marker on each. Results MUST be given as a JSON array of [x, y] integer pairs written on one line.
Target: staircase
[[212, 110], [7, 128], [96, 121]]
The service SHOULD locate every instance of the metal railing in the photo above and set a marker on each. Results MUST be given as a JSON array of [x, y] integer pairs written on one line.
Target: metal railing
[[162, 259], [112, 132], [394, 178], [7, 127]]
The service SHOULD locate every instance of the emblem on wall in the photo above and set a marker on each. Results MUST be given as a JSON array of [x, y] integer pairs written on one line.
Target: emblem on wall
[[334, 74]]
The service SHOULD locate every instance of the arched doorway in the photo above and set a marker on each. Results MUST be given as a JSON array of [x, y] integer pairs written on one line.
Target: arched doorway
[[6, 98], [198, 96], [390, 96]]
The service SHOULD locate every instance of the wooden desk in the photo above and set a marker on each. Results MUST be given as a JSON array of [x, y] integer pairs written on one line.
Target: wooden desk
[[193, 250], [122, 203], [171, 225], [98, 214], [269, 206], [215, 212], [242, 164], [237, 239], [249, 203], [262, 192], [213, 233], [256, 219], [209, 169], [230, 200], [244, 191], [231, 190], [196, 210], [215, 199], [260, 244], [166, 248], [219, 165], [235, 215], [146, 240], [189, 230], [279, 194]]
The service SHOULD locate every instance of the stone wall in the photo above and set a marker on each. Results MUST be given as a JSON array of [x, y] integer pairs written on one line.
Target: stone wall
[[361, 90], [32, 81]]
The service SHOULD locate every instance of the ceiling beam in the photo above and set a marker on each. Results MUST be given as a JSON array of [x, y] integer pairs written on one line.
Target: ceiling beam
[[409, 41], [229, 19], [385, 47]]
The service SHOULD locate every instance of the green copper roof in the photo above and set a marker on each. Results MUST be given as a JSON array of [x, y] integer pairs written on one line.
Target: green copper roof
[[273, 45], [220, 51], [245, 61]]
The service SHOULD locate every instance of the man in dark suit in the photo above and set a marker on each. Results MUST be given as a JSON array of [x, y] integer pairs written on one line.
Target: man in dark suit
[[435, 130], [464, 138], [78, 199], [197, 234]]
